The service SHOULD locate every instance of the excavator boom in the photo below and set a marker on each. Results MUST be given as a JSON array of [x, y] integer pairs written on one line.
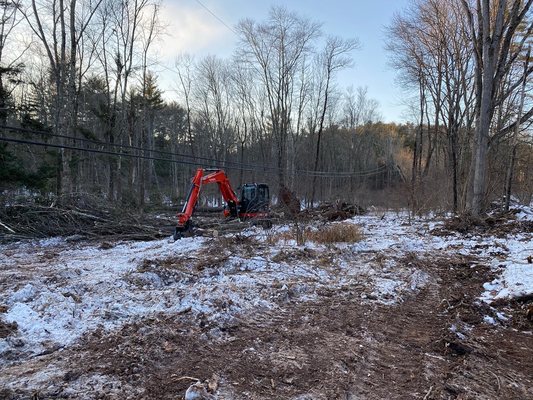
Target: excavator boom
[[235, 208], [190, 202]]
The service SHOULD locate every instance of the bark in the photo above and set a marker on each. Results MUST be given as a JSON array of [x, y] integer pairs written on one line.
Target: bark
[[514, 139], [494, 56]]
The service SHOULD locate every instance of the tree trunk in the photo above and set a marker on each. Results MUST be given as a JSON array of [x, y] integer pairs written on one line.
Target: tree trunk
[[514, 139]]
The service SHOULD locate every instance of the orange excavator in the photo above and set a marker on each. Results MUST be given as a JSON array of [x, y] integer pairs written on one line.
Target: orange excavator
[[254, 202]]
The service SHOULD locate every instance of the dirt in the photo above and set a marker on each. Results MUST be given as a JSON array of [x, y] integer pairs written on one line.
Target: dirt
[[7, 328], [499, 225], [432, 345]]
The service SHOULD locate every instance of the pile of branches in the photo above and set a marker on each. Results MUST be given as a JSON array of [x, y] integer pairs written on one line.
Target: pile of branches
[[499, 224], [77, 219], [337, 211]]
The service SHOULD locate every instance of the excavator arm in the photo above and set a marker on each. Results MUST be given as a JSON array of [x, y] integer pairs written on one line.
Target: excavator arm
[[224, 186], [199, 179]]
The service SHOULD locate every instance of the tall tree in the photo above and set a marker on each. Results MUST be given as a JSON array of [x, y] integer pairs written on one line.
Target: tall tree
[[493, 26], [276, 50], [334, 57], [60, 26], [10, 65], [184, 65]]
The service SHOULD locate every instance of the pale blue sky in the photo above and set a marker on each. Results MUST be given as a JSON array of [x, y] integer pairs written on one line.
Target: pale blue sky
[[192, 29]]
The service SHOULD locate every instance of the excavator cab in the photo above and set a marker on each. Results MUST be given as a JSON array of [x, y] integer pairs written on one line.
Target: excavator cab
[[255, 198]]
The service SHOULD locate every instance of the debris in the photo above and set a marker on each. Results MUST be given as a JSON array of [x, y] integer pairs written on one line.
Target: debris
[[197, 391], [288, 380], [75, 238], [341, 211], [499, 225], [76, 220], [329, 212], [458, 348], [185, 310], [106, 246], [7, 328], [71, 376], [73, 296], [289, 201], [529, 313], [7, 227], [428, 393], [184, 378], [212, 384]]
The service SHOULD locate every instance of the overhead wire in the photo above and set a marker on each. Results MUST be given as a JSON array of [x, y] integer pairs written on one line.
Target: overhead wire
[[213, 163], [127, 146], [216, 16], [107, 152]]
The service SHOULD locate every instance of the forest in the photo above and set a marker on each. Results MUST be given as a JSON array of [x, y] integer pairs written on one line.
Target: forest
[[82, 112], [364, 258]]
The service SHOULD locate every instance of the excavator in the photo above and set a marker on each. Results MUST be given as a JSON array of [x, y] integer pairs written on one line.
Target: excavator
[[254, 201]]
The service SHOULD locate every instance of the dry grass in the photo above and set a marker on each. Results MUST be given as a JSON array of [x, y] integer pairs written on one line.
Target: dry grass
[[295, 255], [335, 233]]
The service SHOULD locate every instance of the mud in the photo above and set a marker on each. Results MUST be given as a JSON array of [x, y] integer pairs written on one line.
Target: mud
[[434, 344]]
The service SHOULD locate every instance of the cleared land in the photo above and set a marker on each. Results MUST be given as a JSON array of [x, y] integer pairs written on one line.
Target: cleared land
[[407, 309]]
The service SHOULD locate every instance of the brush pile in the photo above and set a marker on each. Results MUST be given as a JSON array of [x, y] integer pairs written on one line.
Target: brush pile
[[75, 218]]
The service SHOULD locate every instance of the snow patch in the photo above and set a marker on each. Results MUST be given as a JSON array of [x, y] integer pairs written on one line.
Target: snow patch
[[76, 289]]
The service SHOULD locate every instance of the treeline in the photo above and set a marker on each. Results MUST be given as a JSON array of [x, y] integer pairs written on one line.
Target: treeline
[[86, 114], [468, 62]]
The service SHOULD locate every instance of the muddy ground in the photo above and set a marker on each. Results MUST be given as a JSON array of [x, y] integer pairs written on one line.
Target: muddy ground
[[333, 348], [436, 340]]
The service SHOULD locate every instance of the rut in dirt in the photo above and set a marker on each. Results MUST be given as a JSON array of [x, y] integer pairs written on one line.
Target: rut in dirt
[[433, 345]]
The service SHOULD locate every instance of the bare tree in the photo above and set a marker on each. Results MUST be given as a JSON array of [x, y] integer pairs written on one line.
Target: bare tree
[[276, 50], [432, 44], [358, 108], [213, 99], [184, 64], [246, 123], [128, 31], [150, 96], [514, 139], [59, 26], [493, 27], [10, 65], [334, 57]]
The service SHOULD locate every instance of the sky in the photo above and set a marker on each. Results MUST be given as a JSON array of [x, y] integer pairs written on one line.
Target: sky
[[202, 27]]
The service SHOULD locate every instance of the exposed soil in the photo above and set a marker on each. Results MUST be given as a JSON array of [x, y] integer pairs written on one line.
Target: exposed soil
[[7, 328], [499, 225], [432, 345]]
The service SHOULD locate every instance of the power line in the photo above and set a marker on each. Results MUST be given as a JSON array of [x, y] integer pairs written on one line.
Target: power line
[[112, 153], [126, 146], [216, 16], [218, 163]]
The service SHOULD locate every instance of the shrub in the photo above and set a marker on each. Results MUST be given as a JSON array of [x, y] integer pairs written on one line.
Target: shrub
[[335, 233]]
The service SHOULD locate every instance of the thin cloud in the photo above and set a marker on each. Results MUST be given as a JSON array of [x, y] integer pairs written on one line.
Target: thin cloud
[[191, 30]]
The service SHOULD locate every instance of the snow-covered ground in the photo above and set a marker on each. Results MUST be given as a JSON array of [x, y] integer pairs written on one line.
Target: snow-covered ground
[[57, 291]]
